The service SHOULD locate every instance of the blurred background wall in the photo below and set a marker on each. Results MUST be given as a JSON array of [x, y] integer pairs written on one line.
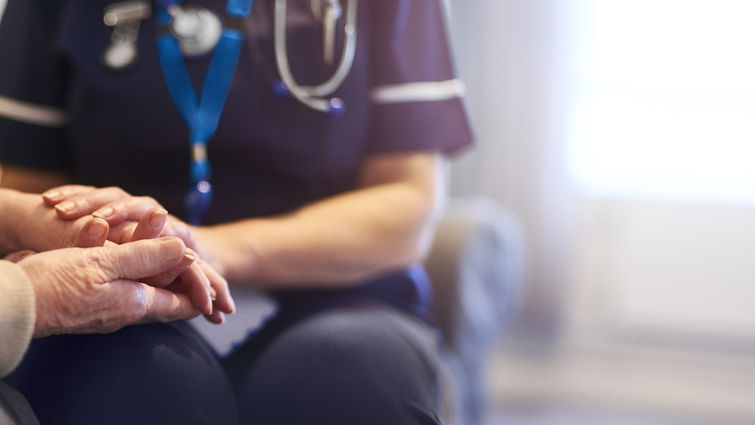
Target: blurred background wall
[[622, 133]]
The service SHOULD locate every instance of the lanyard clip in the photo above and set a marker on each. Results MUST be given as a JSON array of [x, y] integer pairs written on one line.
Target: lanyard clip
[[199, 195], [126, 11], [125, 19]]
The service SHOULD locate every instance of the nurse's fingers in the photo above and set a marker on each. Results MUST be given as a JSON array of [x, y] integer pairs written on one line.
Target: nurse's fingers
[[93, 233], [131, 208], [59, 194], [179, 229], [195, 284], [86, 203], [150, 225], [165, 306], [217, 317], [223, 301], [123, 232], [167, 277]]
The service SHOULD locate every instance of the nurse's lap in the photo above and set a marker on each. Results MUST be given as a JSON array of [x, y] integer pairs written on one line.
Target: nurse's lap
[[337, 361], [350, 361]]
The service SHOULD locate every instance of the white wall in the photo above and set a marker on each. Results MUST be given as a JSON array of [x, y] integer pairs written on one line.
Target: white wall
[[508, 52], [651, 302]]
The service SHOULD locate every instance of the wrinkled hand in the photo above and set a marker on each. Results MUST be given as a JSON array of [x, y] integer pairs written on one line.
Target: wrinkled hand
[[99, 290], [134, 218]]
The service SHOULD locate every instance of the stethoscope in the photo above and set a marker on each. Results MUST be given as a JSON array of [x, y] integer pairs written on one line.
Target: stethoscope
[[192, 31], [316, 97], [198, 31]]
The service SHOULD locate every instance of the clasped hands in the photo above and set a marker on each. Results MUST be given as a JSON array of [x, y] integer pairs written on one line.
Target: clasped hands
[[146, 280]]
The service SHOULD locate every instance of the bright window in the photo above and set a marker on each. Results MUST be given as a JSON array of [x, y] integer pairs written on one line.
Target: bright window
[[664, 101]]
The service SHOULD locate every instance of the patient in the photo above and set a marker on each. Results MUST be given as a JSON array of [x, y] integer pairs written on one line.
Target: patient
[[90, 290]]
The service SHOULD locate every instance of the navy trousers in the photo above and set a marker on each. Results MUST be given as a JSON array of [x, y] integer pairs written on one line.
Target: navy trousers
[[322, 360]]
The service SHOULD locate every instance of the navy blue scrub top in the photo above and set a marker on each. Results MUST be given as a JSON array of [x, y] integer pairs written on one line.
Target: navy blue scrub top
[[270, 154]]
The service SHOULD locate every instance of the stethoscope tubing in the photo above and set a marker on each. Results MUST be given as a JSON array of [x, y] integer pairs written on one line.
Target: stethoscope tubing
[[314, 96]]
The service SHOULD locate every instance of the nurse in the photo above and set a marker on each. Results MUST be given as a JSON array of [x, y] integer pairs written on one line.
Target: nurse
[[330, 213]]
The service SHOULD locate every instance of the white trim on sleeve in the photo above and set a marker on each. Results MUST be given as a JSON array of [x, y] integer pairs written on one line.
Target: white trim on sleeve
[[425, 91], [32, 113], [3, 4]]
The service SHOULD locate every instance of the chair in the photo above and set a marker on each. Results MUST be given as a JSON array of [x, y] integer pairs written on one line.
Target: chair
[[476, 266]]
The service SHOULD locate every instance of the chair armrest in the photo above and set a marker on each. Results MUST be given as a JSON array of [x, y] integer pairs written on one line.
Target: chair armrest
[[475, 266]]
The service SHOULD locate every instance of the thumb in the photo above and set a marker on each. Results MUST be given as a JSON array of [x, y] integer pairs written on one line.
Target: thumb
[[93, 233], [136, 260]]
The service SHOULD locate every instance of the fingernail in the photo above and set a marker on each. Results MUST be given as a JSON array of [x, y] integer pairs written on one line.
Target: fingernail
[[96, 229], [65, 207], [190, 256], [213, 294], [170, 243], [158, 218], [105, 212], [52, 195]]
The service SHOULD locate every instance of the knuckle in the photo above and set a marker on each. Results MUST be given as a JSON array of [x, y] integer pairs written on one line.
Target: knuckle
[[69, 189], [117, 191], [100, 263], [135, 306], [147, 200]]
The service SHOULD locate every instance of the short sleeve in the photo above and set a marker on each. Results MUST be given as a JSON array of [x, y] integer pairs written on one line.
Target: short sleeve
[[33, 82], [416, 97]]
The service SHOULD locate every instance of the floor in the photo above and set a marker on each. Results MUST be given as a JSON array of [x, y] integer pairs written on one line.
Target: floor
[[563, 415]]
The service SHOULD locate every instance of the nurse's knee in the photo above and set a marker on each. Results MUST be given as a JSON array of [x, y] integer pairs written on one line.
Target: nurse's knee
[[347, 366]]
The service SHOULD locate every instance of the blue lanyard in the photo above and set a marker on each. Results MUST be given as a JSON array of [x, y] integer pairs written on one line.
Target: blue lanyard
[[201, 115]]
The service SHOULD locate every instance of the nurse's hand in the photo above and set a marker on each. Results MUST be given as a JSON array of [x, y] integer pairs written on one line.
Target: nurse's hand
[[99, 290], [133, 218]]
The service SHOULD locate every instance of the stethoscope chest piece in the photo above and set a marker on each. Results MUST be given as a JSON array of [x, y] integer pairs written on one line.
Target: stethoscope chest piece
[[197, 29], [119, 56]]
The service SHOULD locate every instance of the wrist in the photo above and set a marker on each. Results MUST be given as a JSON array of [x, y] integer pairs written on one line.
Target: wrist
[[12, 203], [210, 247], [227, 251], [43, 308]]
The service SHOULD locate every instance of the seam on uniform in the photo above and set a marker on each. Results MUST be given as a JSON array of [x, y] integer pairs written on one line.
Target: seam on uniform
[[32, 113], [425, 91]]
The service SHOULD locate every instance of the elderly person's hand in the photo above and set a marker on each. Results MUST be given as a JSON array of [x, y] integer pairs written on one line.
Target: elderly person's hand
[[98, 290], [132, 218], [30, 224], [122, 211]]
